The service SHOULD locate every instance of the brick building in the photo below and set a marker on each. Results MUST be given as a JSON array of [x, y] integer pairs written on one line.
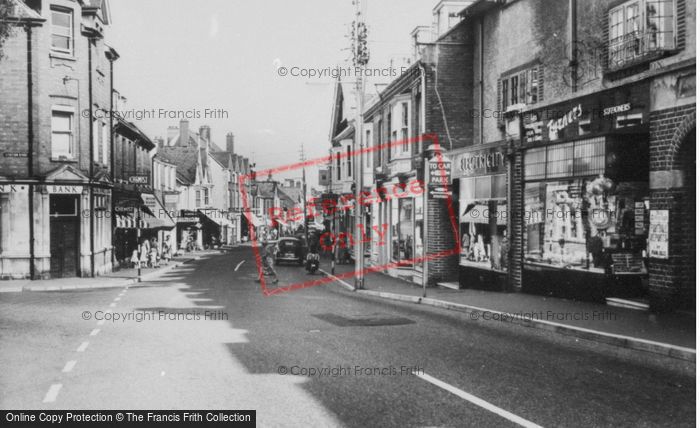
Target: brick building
[[596, 103], [55, 111], [430, 98]]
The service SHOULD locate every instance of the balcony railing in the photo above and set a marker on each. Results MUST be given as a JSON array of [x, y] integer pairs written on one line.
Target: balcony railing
[[637, 47]]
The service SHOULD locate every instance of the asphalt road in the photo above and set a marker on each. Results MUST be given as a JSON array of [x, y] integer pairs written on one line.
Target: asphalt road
[[320, 356]]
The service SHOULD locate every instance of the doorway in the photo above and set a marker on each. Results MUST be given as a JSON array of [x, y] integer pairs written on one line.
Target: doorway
[[64, 236]]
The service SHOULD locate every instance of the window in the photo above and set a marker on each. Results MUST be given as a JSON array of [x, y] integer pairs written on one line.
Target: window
[[368, 144], [483, 222], [95, 141], [639, 29], [404, 127], [522, 87], [580, 158], [197, 199], [105, 143], [380, 128], [62, 30], [61, 135], [349, 160], [337, 163], [206, 197]]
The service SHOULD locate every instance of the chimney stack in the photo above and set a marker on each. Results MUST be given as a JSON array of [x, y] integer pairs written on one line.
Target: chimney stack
[[205, 132], [229, 142], [172, 133], [184, 133]]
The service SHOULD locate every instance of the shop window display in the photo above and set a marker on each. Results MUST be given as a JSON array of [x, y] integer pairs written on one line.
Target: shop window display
[[483, 222], [587, 224], [403, 231]]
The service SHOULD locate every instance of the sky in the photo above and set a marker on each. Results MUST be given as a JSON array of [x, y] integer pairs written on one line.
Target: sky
[[224, 55]]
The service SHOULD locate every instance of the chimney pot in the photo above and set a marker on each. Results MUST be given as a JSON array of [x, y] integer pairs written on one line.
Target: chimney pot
[[230, 142]]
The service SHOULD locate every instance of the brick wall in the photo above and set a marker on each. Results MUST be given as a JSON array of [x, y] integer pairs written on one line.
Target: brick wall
[[672, 148], [440, 238]]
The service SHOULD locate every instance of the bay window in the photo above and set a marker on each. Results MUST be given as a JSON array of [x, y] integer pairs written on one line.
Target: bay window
[[640, 28]]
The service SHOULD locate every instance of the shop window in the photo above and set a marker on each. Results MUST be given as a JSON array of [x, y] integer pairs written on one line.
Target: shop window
[[640, 28], [62, 30], [584, 157], [585, 223], [61, 135], [402, 231], [483, 222]]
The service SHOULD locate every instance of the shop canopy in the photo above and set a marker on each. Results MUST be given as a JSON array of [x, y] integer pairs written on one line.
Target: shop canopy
[[216, 217], [155, 215], [480, 213]]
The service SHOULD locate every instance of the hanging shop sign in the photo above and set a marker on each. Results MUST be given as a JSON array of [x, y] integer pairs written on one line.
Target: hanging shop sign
[[623, 109], [480, 162], [658, 234], [138, 179]]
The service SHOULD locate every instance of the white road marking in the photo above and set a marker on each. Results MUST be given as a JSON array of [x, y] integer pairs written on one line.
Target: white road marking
[[108, 311], [83, 346], [69, 366], [94, 332], [111, 305], [478, 401], [52, 393], [239, 265], [100, 322], [116, 299]]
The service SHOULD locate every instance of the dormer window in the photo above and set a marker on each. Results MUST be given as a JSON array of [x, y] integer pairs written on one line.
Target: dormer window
[[62, 30]]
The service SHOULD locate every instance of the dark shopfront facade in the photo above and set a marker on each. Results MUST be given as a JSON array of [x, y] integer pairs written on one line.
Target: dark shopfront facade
[[479, 182], [585, 196]]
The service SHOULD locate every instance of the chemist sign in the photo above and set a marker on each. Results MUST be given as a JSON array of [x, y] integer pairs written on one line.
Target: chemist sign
[[658, 234]]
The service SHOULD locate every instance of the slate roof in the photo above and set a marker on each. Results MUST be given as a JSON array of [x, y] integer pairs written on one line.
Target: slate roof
[[185, 158]]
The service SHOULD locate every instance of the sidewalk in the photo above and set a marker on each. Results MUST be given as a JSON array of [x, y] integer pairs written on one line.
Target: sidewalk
[[120, 278], [669, 334]]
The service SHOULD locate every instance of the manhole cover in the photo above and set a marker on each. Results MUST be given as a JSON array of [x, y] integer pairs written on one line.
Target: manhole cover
[[373, 320]]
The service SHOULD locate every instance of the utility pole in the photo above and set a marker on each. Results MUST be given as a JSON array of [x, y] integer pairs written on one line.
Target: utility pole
[[360, 58], [302, 158]]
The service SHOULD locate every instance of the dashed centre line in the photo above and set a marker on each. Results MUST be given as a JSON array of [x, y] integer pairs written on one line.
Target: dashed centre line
[[69, 366], [52, 393], [94, 332], [83, 346]]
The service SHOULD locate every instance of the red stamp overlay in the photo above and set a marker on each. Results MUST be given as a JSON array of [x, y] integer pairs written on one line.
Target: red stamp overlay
[[432, 182]]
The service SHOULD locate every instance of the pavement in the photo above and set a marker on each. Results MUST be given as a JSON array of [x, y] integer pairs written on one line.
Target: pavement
[[670, 334], [204, 336], [119, 278]]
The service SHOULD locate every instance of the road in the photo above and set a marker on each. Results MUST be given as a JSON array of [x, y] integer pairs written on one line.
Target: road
[[378, 363]]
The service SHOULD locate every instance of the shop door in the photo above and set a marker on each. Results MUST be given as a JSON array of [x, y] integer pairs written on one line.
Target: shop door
[[65, 243]]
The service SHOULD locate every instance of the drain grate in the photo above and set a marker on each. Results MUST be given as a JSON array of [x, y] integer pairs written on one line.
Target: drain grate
[[372, 320]]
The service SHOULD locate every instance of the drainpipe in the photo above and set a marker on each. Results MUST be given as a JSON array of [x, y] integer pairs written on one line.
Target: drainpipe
[[112, 162], [92, 166], [481, 80], [573, 64], [30, 148], [425, 196]]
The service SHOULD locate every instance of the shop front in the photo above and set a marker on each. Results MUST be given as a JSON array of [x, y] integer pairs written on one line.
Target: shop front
[[586, 196], [479, 182]]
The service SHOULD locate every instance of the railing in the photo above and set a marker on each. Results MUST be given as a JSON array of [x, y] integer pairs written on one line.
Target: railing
[[637, 47]]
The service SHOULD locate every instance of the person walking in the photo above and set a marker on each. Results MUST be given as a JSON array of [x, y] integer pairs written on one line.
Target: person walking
[[268, 261]]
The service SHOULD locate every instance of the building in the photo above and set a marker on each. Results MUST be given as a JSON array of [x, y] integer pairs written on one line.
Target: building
[[592, 104], [427, 104], [56, 172]]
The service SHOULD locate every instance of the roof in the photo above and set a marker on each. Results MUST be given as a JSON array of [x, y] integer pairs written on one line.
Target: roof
[[131, 131], [222, 158], [21, 11], [186, 160], [296, 194]]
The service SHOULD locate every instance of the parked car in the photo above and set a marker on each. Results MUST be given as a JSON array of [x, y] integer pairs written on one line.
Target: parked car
[[290, 250]]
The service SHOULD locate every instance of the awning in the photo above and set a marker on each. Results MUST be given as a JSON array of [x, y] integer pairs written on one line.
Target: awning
[[480, 213], [158, 217], [253, 219], [215, 216]]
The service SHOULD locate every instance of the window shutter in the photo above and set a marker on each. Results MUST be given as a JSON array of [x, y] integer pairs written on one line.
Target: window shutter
[[680, 24], [604, 52], [500, 102], [540, 83]]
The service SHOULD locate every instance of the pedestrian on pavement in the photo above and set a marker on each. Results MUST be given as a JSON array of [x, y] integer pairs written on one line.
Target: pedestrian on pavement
[[167, 250]]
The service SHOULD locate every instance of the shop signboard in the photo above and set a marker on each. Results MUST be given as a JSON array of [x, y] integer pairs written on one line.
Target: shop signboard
[[616, 110], [479, 162], [14, 188], [658, 234], [439, 180]]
